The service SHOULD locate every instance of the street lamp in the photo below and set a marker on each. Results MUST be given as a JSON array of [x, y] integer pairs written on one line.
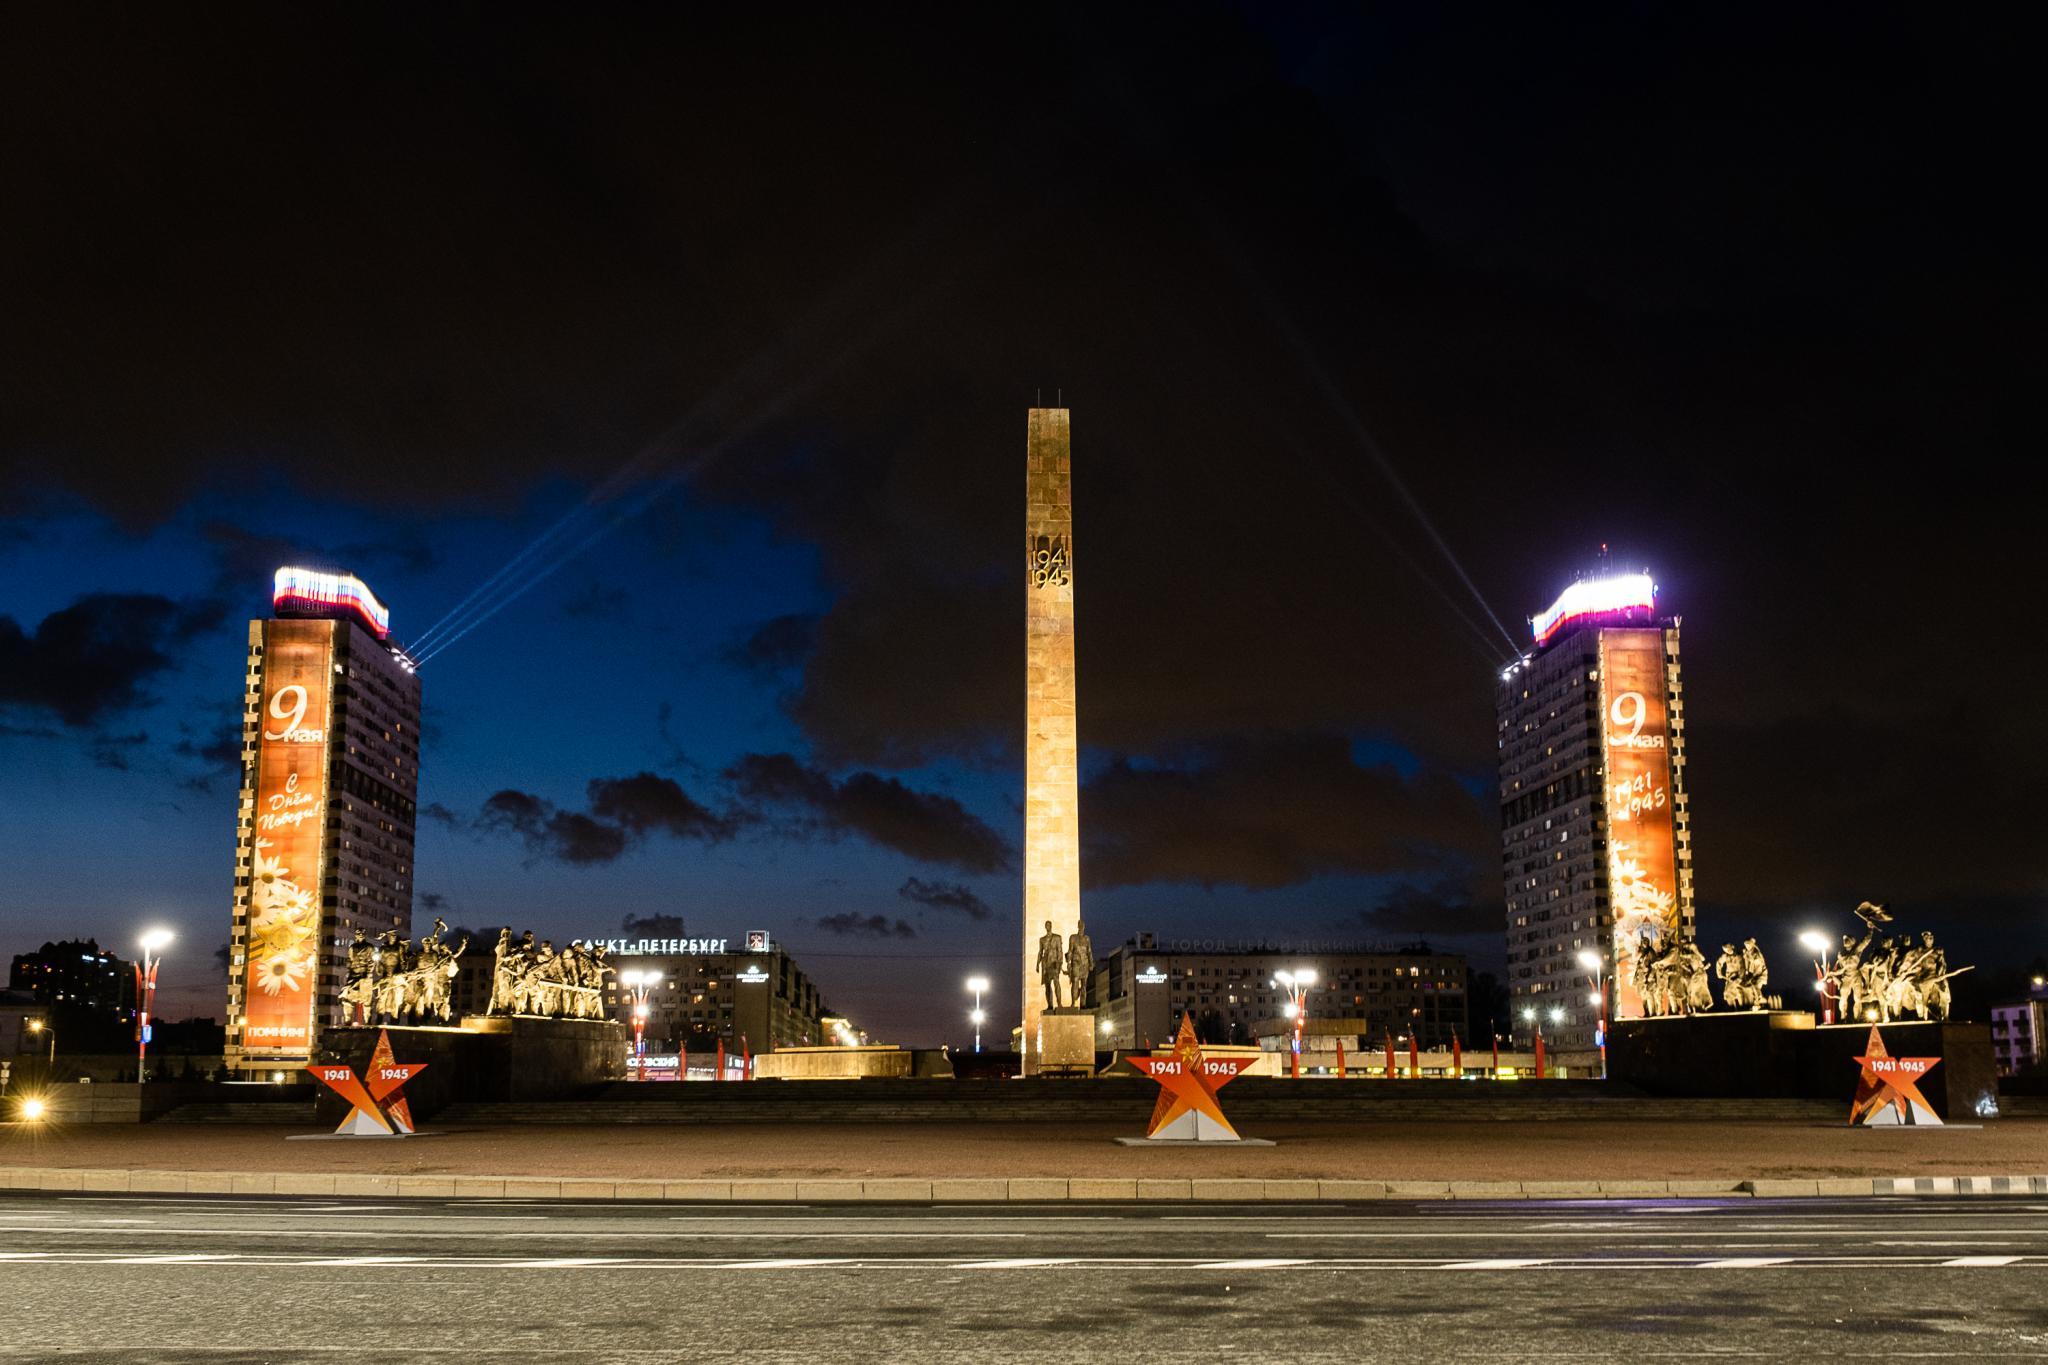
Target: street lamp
[[978, 985], [1590, 960], [154, 941], [1818, 944], [639, 983], [1296, 983], [38, 1026]]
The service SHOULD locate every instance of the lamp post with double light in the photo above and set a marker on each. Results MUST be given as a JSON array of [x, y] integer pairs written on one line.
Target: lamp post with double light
[[978, 985], [1597, 969], [1818, 944], [1296, 984], [639, 982], [153, 944]]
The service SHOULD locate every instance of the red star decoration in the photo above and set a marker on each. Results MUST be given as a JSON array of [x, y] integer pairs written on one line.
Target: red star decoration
[[1188, 1083], [1891, 1082], [368, 1092]]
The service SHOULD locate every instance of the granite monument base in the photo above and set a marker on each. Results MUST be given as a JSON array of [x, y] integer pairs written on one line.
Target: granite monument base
[[1066, 1044], [1784, 1054]]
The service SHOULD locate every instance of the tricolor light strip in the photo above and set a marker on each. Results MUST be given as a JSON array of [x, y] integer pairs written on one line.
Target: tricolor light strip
[[1596, 597], [331, 590]]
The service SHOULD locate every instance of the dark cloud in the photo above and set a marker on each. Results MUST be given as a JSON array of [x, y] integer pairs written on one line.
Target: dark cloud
[[96, 656], [851, 925], [113, 751], [797, 801], [652, 926], [433, 902], [622, 811], [945, 896], [565, 836], [645, 803], [1273, 812], [1451, 906], [776, 645], [220, 748], [440, 814]]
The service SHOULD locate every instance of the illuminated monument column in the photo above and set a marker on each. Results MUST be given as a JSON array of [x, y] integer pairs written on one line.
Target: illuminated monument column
[[1052, 817]]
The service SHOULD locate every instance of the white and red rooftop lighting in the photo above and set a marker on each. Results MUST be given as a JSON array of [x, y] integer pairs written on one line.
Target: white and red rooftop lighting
[[1614, 595], [310, 588]]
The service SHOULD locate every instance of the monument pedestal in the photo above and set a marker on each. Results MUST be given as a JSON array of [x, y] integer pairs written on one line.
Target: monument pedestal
[[1783, 1054], [488, 1057], [1065, 1045]]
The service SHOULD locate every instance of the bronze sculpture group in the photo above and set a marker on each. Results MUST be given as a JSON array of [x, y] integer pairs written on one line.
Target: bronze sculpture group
[[1671, 977], [531, 978], [1895, 979], [1068, 963], [391, 982]]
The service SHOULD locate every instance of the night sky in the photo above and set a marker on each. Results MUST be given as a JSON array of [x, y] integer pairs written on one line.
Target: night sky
[[720, 331]]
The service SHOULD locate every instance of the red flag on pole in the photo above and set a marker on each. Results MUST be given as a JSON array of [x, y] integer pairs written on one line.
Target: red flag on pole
[[1457, 1056], [719, 1074], [682, 1062], [1414, 1060], [746, 1059], [1390, 1056], [1496, 1054], [1539, 1055], [1340, 1059]]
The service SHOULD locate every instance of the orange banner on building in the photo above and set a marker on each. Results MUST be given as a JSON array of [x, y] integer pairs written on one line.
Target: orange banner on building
[[1642, 833], [283, 950]]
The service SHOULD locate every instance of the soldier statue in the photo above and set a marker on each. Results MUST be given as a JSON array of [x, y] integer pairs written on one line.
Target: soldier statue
[[358, 987], [1080, 963], [1756, 973], [1692, 967], [1728, 971], [1051, 963]]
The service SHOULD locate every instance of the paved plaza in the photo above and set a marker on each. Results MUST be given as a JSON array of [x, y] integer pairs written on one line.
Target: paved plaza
[[636, 1157]]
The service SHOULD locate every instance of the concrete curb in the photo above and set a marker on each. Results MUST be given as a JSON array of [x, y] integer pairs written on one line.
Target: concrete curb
[[1023, 1189]]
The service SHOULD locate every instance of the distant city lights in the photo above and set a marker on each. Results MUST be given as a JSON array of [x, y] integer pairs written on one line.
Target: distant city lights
[[1596, 597], [299, 587]]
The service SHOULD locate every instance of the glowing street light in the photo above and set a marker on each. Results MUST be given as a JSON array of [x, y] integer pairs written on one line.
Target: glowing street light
[[153, 943], [38, 1026], [33, 1110], [1296, 983], [979, 986], [1817, 943], [1591, 961], [640, 983]]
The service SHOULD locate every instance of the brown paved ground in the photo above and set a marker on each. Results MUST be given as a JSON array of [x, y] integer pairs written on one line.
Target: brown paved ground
[[1644, 1150]]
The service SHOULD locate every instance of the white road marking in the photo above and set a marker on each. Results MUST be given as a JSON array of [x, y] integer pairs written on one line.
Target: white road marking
[[560, 1262], [186, 1259], [785, 1263], [1745, 1262], [1021, 1263], [1982, 1260], [1493, 1265], [1267, 1264], [366, 1260]]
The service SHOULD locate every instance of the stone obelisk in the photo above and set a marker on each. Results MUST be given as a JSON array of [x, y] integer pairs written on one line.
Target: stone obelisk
[[1052, 815]]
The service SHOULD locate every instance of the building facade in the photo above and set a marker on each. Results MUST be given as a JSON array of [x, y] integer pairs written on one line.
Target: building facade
[[1141, 989], [2019, 1033], [1596, 842], [712, 991], [324, 827], [82, 993]]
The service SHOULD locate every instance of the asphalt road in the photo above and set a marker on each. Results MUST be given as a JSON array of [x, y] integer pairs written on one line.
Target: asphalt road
[[227, 1280]]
